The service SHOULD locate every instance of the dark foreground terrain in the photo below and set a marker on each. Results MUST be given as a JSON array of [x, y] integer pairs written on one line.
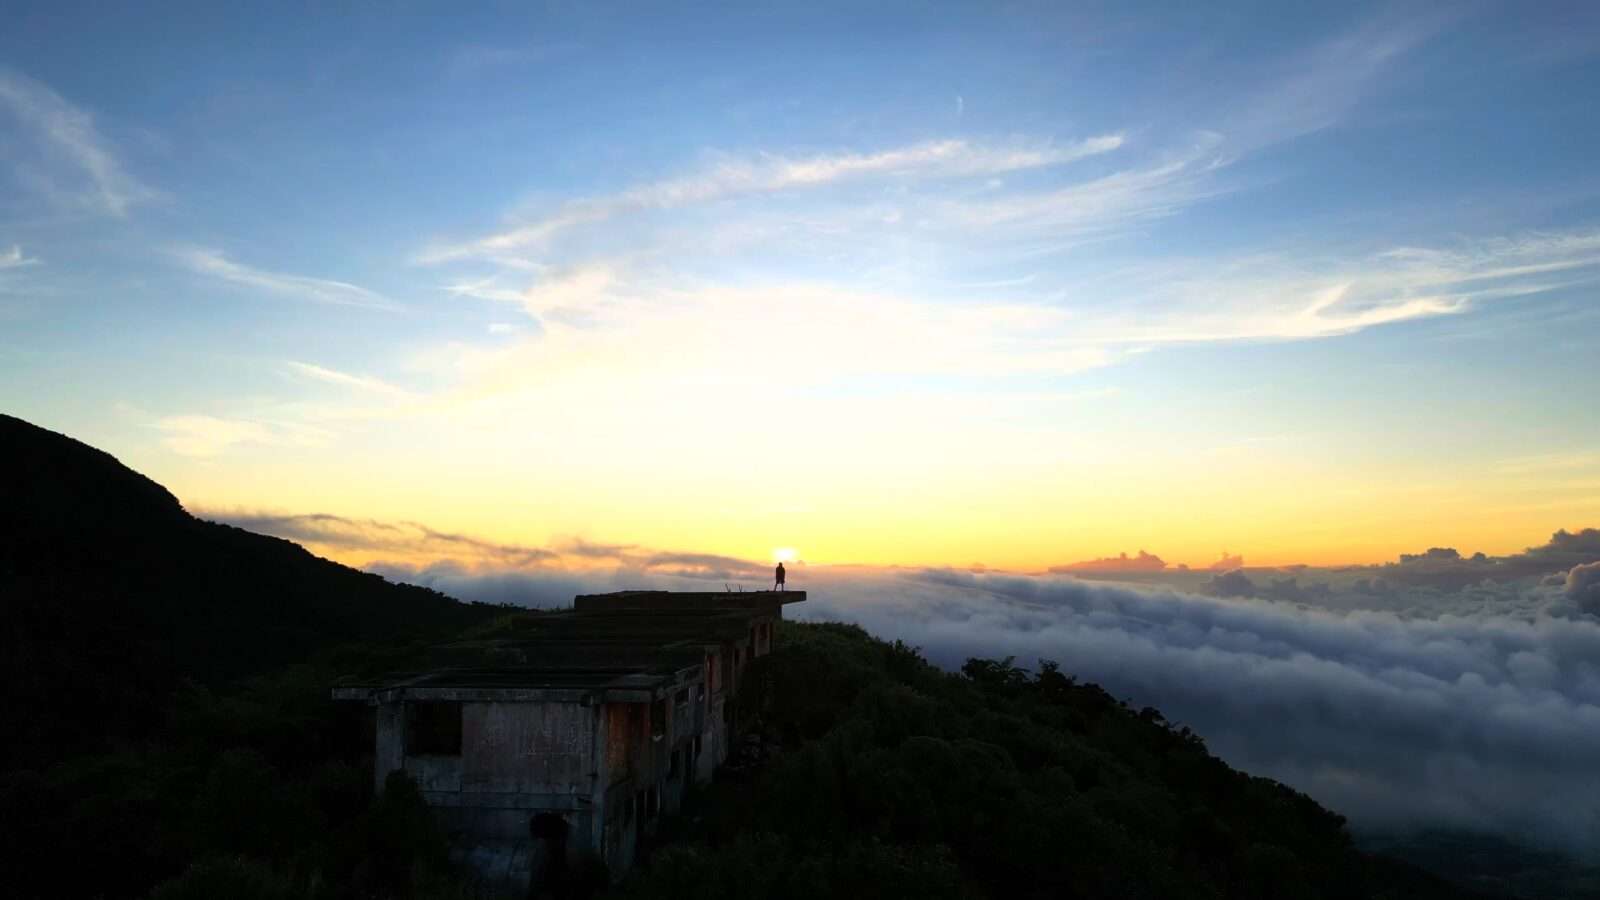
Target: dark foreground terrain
[[169, 734], [897, 779]]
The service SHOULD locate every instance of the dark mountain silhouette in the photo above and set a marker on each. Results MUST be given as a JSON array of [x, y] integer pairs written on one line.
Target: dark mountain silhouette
[[113, 594]]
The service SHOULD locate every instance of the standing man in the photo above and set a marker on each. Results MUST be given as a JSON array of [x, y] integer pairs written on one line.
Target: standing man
[[779, 585]]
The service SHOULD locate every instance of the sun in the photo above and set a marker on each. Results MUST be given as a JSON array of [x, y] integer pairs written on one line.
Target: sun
[[784, 554]]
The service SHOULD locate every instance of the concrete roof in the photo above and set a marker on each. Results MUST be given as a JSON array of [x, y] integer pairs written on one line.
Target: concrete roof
[[631, 646], [525, 684], [685, 600]]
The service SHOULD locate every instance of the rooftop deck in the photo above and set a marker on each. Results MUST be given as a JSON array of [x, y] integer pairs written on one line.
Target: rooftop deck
[[685, 600], [524, 683], [630, 646]]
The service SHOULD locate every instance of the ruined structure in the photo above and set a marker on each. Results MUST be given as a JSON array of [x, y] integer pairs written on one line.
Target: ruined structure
[[574, 732]]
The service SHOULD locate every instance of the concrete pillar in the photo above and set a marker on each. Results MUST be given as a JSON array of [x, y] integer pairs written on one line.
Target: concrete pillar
[[600, 781], [390, 752]]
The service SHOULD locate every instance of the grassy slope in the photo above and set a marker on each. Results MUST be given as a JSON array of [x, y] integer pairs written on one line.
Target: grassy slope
[[901, 780]]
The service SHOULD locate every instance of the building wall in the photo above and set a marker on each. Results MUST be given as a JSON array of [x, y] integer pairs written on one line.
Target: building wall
[[527, 748], [516, 759], [643, 781], [606, 770], [627, 741], [609, 770]]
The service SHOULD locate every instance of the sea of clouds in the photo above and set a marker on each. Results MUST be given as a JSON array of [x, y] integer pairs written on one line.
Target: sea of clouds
[[1437, 692], [1477, 708]]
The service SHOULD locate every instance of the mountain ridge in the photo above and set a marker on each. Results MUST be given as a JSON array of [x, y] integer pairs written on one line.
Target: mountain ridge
[[115, 595]]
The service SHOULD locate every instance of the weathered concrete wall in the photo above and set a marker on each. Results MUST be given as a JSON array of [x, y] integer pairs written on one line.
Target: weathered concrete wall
[[503, 869], [713, 739], [685, 715], [516, 759], [390, 752], [622, 827], [610, 771], [627, 740], [527, 748], [435, 773]]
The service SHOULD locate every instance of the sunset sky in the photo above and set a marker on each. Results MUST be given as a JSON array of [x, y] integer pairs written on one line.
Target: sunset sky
[[909, 284]]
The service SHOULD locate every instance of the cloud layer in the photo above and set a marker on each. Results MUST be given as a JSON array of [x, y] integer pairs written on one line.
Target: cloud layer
[[1487, 721], [1433, 702]]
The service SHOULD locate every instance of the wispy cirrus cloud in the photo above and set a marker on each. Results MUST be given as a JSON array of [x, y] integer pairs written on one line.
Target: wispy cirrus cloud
[[70, 161], [943, 217], [613, 325], [606, 319], [1128, 195], [204, 436], [14, 258], [804, 272], [1323, 85], [490, 288], [732, 177], [215, 264], [346, 379], [1276, 299]]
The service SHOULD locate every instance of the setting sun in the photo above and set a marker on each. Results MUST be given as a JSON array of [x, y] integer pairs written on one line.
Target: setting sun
[[784, 554]]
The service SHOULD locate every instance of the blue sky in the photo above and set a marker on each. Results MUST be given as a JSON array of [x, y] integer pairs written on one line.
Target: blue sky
[[960, 257]]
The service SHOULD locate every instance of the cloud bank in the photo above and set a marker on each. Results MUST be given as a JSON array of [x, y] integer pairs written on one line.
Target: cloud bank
[[1433, 702], [1583, 587], [1480, 720]]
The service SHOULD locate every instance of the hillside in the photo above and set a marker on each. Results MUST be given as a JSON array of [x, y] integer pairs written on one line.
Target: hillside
[[114, 594], [895, 779]]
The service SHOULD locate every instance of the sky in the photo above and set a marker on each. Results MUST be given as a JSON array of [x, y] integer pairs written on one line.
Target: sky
[[894, 284]]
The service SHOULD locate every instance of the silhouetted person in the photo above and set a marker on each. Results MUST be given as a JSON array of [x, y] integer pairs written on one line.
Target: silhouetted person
[[779, 585]]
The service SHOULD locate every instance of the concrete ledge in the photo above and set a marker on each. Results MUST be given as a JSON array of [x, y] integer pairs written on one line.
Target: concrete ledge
[[553, 800], [669, 600]]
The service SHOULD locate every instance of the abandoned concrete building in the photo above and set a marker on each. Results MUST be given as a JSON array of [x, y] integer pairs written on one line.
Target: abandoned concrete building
[[572, 734]]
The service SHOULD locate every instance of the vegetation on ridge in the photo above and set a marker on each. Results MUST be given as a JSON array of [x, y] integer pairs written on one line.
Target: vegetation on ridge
[[897, 779]]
